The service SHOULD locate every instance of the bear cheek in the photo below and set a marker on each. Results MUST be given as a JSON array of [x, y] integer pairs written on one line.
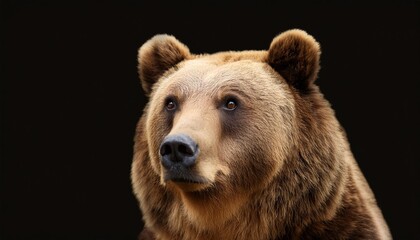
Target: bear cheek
[[255, 158], [252, 167], [156, 129]]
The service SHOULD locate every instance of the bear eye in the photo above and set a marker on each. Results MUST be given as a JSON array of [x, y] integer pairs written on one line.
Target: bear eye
[[230, 104], [170, 105]]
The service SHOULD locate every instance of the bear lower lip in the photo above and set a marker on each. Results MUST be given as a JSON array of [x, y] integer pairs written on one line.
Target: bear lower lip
[[179, 174], [184, 179]]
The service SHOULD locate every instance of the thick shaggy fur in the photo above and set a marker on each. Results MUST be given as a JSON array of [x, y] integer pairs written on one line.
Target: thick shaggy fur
[[278, 166]]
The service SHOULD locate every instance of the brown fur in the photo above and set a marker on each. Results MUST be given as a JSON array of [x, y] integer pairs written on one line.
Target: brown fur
[[277, 167]]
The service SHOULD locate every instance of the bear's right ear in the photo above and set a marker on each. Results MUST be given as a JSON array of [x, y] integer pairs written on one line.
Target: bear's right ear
[[156, 56]]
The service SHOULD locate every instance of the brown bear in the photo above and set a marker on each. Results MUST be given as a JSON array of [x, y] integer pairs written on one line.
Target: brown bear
[[242, 145]]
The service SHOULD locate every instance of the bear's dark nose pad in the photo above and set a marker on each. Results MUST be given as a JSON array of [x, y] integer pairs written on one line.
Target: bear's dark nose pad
[[178, 148]]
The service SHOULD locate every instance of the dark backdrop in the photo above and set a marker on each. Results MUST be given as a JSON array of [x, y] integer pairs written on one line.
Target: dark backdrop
[[70, 99]]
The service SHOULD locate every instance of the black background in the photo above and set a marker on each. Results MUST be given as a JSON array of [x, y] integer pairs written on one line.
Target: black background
[[70, 99]]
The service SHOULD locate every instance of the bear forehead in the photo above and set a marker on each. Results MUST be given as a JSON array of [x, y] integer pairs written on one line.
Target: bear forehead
[[212, 73]]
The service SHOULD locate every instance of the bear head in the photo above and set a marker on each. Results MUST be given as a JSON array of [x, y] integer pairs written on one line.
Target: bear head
[[221, 126]]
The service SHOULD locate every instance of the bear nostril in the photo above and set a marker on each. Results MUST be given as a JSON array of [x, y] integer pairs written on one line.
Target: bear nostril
[[166, 149], [186, 150]]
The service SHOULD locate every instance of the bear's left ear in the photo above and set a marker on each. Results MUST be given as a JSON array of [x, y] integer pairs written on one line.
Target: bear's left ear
[[295, 55], [158, 55]]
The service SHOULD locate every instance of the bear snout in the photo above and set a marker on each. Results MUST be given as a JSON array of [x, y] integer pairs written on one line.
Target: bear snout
[[178, 156], [178, 149]]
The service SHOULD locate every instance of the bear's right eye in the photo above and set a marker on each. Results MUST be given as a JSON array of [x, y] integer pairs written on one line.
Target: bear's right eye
[[170, 105], [231, 105]]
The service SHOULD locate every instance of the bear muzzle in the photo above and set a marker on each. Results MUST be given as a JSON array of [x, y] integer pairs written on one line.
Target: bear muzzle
[[178, 156]]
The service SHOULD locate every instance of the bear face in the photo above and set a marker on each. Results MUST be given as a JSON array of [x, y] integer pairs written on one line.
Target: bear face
[[215, 109], [228, 136]]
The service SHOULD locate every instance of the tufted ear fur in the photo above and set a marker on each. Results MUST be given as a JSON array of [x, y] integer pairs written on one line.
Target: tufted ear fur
[[158, 55], [295, 55]]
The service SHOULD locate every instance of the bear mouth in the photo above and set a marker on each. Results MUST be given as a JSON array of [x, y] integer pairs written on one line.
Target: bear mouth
[[184, 178], [180, 174]]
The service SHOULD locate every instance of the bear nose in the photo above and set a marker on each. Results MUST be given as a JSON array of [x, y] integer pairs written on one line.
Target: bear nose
[[180, 149]]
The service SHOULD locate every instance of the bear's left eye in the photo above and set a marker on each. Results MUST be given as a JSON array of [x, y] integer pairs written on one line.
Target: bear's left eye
[[170, 104], [230, 104]]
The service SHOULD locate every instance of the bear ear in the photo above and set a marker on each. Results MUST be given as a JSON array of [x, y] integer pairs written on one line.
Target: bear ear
[[295, 55], [156, 56]]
